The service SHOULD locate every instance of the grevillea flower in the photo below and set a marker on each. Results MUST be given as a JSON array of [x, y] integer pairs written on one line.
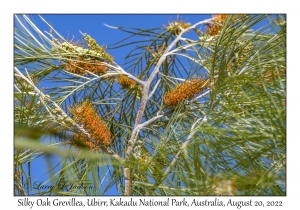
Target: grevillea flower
[[83, 63], [87, 55], [174, 26], [98, 49], [220, 18], [82, 66], [130, 84], [214, 29], [187, 90], [85, 115], [125, 82], [80, 141]]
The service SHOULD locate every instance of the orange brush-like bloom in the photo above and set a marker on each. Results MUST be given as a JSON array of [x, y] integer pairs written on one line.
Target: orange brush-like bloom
[[214, 29], [85, 115], [220, 18], [187, 90], [80, 141], [80, 65], [125, 82]]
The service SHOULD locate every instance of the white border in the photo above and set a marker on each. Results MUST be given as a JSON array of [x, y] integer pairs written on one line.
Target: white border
[[153, 6]]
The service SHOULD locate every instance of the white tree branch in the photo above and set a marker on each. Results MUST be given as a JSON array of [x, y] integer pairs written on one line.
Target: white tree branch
[[120, 70], [145, 96], [201, 96], [144, 100]]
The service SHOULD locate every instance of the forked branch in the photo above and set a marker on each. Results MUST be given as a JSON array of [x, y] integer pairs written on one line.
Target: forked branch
[[145, 98]]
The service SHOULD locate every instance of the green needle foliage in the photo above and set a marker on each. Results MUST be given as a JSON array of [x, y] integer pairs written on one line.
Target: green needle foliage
[[182, 116]]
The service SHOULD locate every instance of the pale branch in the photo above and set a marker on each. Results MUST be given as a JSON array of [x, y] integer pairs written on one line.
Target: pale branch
[[138, 121], [144, 100], [159, 115], [167, 77], [127, 181], [187, 40], [167, 50], [150, 121], [120, 70], [154, 89], [182, 48], [201, 96], [183, 146], [64, 115], [145, 96], [141, 126]]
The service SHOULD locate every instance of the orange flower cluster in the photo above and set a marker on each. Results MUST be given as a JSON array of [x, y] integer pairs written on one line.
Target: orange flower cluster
[[220, 18], [85, 114], [214, 29], [80, 141], [186, 90], [80, 65], [125, 82]]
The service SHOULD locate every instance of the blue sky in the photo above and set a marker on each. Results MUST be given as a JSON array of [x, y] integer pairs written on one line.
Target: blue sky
[[94, 26], [70, 25]]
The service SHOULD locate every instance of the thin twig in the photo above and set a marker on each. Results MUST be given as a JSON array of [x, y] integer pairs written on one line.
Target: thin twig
[[201, 96], [120, 70], [183, 146], [258, 51]]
